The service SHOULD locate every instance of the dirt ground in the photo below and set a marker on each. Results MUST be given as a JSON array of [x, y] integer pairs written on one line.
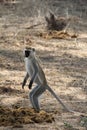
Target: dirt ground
[[64, 61]]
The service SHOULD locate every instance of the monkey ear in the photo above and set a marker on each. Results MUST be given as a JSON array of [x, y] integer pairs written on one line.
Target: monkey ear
[[33, 49]]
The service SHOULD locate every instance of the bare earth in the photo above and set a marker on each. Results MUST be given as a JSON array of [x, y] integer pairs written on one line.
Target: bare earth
[[64, 62]]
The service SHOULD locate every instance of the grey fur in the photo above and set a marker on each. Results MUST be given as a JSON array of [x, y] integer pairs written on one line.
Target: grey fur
[[36, 74]]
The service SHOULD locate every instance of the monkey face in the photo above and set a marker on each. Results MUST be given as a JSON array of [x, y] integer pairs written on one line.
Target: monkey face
[[28, 52]]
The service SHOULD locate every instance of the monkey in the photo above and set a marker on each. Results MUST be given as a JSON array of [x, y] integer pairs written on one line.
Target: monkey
[[36, 74]]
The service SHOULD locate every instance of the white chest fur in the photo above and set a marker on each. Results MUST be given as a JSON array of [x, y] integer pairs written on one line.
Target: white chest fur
[[28, 66]]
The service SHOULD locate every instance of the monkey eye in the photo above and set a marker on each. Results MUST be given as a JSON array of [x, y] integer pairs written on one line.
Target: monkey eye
[[33, 49], [27, 53]]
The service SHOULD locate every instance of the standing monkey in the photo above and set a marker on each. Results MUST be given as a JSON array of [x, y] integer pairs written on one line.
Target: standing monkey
[[36, 74]]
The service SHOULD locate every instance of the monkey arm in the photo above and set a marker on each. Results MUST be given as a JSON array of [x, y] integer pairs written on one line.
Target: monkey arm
[[35, 71], [25, 80]]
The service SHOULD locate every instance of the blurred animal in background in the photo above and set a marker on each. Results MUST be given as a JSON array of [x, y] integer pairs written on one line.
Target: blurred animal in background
[[56, 24]]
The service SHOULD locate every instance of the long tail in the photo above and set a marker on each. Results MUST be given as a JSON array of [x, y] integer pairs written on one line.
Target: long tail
[[58, 99]]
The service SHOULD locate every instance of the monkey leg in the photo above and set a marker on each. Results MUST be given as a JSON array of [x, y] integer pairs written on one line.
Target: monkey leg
[[34, 95]]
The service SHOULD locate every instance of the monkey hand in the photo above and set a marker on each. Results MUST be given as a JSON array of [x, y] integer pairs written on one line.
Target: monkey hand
[[30, 84]]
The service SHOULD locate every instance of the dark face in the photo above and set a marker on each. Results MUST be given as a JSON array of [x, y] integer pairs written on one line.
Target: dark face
[[27, 53]]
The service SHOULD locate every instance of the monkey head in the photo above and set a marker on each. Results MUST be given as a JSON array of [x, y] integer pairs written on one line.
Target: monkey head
[[28, 52]]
